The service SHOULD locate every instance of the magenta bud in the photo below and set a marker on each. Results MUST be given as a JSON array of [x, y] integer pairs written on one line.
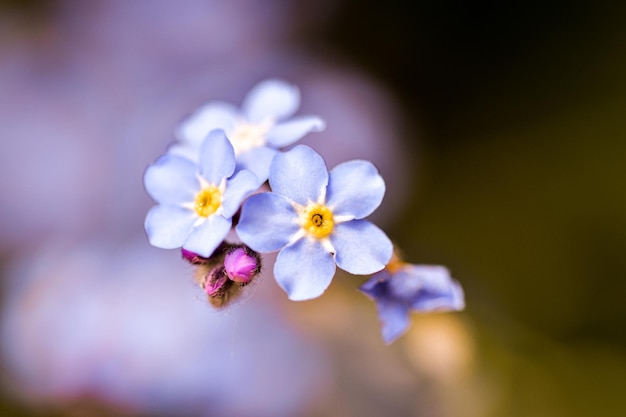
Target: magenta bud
[[192, 257], [242, 264], [216, 283]]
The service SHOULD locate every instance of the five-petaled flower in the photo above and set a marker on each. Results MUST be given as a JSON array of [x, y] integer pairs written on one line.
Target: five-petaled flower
[[196, 201], [316, 220], [401, 288], [262, 125]]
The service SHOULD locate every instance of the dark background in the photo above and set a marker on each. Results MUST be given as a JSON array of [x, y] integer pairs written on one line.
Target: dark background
[[520, 107], [521, 110]]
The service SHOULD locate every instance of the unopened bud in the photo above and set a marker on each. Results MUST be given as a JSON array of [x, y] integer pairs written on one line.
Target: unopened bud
[[192, 257], [216, 282], [242, 264]]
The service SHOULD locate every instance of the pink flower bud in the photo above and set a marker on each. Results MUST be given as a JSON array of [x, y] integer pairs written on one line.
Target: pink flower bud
[[192, 257], [216, 282], [242, 264]]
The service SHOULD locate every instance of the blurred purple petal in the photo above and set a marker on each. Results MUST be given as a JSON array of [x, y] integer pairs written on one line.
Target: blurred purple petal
[[394, 320], [421, 288], [271, 100], [257, 160], [291, 131], [213, 115]]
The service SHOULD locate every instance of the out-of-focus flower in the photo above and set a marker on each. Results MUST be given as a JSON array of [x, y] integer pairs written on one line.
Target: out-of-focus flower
[[315, 219], [441, 347], [171, 33], [116, 324], [401, 288], [263, 124], [196, 202]]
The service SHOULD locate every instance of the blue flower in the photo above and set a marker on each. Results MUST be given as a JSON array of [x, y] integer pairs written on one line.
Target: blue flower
[[315, 218], [401, 288], [263, 124], [196, 202]]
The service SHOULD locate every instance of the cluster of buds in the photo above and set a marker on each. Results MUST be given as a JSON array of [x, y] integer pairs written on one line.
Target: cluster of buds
[[224, 274]]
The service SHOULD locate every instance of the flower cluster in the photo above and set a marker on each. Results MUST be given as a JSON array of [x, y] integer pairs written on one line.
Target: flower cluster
[[228, 189]]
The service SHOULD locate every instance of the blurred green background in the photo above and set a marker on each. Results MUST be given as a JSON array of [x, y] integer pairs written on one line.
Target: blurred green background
[[520, 110], [517, 112]]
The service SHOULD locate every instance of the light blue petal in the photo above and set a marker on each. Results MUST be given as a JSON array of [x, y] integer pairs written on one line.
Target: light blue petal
[[217, 157], [238, 187], [394, 319], [213, 115], [267, 222], [299, 174], [271, 99], [355, 188], [362, 248], [304, 269], [284, 134], [257, 160], [168, 227], [204, 238], [171, 179]]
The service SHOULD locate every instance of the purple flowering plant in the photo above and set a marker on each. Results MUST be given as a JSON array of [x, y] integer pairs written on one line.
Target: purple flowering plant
[[228, 190]]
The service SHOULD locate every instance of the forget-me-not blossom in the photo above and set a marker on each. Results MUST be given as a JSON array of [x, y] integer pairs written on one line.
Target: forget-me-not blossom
[[316, 219], [401, 288], [263, 124], [196, 201]]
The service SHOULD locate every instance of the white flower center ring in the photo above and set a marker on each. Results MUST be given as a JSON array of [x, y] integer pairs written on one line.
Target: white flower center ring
[[247, 136]]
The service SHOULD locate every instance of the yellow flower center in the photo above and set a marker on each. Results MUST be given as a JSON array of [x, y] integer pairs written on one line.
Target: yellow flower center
[[208, 200], [247, 136], [317, 220]]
